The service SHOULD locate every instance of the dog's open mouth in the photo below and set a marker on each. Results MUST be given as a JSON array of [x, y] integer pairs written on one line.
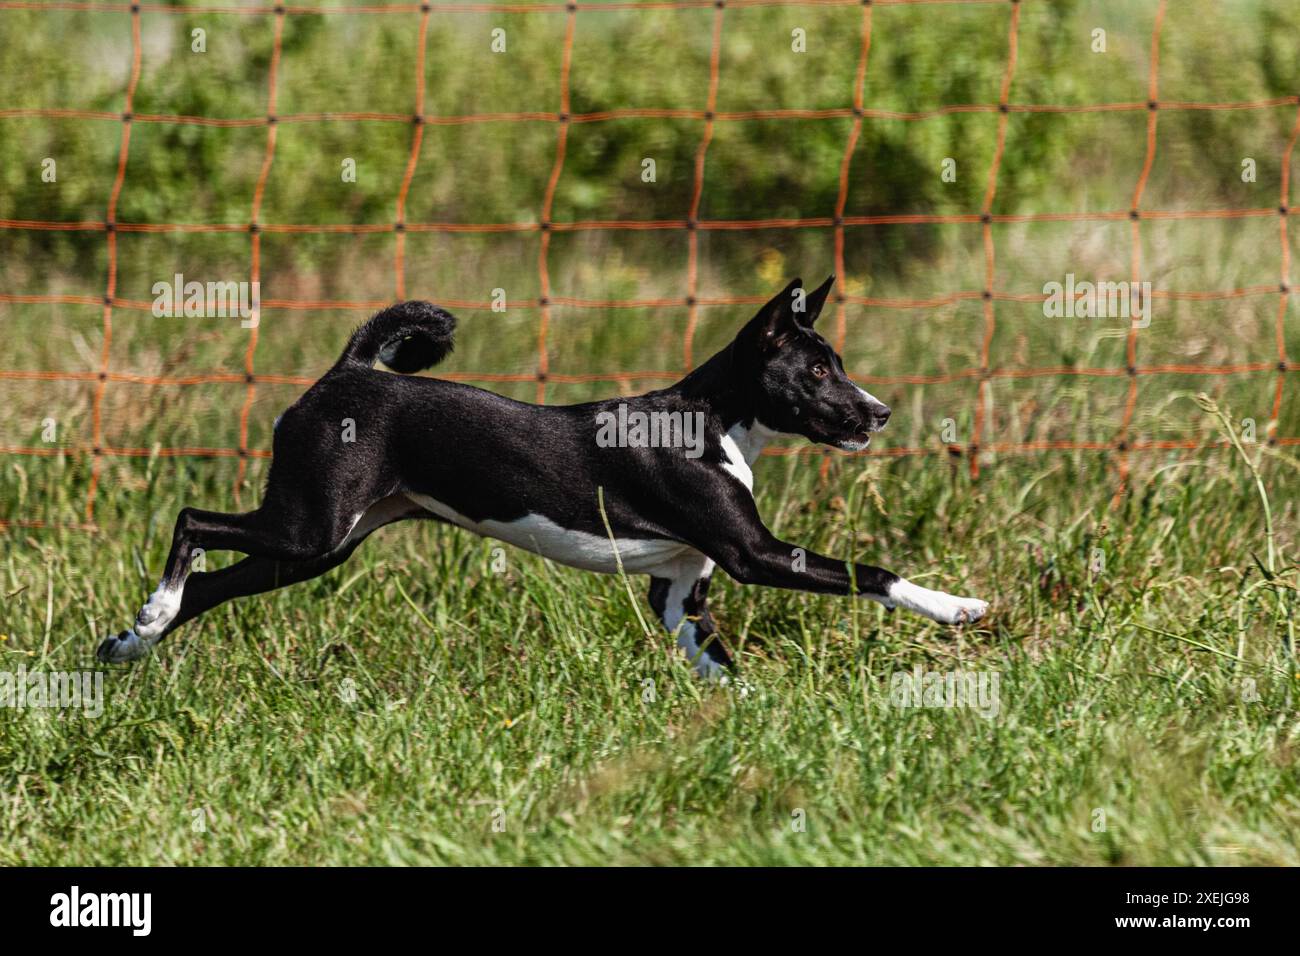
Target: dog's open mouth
[[857, 441]]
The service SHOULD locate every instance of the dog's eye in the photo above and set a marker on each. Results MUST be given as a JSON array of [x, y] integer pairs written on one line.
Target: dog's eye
[[820, 370]]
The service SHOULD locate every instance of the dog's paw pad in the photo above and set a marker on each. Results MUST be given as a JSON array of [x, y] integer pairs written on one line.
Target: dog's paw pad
[[970, 610]]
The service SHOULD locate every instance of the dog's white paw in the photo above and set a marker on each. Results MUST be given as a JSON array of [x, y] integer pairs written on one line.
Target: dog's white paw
[[161, 610], [937, 605], [704, 660], [127, 646]]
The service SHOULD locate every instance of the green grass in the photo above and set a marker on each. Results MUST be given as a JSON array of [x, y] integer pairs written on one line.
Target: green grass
[[531, 699]]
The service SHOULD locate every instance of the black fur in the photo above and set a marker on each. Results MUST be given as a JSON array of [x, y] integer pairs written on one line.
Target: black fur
[[490, 457], [408, 337]]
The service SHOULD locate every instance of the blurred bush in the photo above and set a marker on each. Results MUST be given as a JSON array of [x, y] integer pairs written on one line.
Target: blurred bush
[[922, 58]]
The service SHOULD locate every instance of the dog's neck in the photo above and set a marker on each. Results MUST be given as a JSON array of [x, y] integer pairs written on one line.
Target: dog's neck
[[722, 382], [725, 385]]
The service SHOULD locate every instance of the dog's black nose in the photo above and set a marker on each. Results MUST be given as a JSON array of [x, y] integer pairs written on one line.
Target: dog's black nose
[[882, 415]]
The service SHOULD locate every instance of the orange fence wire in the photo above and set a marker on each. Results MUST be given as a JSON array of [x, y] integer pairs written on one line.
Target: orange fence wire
[[1121, 446]]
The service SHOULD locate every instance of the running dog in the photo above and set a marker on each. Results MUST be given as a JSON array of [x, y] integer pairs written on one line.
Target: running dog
[[571, 482]]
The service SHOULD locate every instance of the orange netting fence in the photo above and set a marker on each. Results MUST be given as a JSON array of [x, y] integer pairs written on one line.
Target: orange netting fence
[[1121, 446]]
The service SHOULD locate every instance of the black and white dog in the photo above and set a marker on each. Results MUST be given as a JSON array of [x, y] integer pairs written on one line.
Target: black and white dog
[[533, 476]]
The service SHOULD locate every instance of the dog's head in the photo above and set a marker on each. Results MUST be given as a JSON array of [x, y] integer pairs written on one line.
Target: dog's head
[[798, 380]]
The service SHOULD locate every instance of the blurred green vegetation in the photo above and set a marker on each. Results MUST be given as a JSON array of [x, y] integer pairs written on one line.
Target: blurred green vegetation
[[921, 58]]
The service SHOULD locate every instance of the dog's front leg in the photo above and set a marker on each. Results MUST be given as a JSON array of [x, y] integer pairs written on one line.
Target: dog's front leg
[[743, 547], [775, 563]]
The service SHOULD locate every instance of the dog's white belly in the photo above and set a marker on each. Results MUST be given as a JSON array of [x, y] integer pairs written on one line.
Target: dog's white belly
[[578, 549]]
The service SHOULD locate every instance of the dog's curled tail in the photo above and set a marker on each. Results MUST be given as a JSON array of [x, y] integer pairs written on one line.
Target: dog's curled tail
[[407, 337]]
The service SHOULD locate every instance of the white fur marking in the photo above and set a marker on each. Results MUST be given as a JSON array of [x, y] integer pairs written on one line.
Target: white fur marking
[[867, 395], [936, 605], [578, 549], [742, 446], [735, 464], [159, 611], [682, 578]]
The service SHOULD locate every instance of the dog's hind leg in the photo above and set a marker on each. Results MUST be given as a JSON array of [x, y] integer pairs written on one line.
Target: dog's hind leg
[[204, 590], [680, 597], [275, 561], [260, 533]]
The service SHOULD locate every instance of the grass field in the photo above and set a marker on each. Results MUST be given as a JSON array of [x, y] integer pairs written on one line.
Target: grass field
[[531, 700], [425, 704]]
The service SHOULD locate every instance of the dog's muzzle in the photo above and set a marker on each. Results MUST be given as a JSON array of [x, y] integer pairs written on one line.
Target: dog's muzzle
[[873, 421]]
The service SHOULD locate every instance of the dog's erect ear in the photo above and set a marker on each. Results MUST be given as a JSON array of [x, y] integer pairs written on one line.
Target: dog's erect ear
[[812, 303], [778, 320]]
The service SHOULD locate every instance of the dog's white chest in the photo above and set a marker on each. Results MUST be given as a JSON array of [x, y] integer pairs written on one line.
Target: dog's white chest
[[741, 447], [578, 549]]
